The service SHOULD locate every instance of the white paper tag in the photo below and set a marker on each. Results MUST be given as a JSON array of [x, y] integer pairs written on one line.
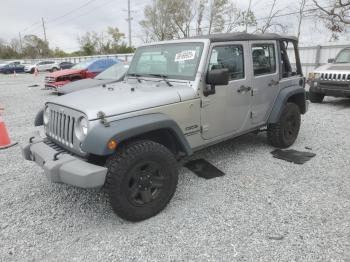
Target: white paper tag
[[185, 55]]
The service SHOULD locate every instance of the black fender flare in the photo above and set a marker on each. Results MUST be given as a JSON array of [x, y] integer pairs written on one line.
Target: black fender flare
[[120, 130], [39, 118], [282, 99]]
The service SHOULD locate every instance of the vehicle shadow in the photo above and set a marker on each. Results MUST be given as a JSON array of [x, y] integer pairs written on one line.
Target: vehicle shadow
[[338, 102], [93, 204], [239, 145]]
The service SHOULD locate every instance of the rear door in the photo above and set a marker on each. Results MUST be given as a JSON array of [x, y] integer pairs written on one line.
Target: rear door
[[41, 66], [227, 111], [265, 80]]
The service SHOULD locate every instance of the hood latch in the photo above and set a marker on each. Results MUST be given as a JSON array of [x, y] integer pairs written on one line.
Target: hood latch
[[102, 116]]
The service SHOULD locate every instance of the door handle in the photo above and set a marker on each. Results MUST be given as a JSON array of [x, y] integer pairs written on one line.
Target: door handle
[[274, 83], [244, 88]]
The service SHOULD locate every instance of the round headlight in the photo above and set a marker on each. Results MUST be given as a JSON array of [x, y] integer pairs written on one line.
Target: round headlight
[[81, 128], [46, 116]]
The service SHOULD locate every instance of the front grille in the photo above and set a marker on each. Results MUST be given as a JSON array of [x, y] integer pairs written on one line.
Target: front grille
[[61, 127], [57, 148], [335, 77], [49, 79]]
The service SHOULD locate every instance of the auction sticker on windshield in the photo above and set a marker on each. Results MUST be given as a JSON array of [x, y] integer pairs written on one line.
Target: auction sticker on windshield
[[185, 55]]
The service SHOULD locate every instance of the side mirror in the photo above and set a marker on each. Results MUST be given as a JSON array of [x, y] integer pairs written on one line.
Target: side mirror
[[331, 60], [218, 77]]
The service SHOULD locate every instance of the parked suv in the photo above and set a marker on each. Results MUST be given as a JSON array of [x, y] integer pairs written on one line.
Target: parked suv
[[178, 97], [332, 79], [42, 66]]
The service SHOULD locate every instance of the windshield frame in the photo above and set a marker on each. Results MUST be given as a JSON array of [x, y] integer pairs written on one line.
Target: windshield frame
[[344, 50], [172, 43]]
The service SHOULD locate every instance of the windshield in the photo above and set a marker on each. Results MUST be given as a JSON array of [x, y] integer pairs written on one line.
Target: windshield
[[83, 65], [343, 56], [115, 72], [176, 61]]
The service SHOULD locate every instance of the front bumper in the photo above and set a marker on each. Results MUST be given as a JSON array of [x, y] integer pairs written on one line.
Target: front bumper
[[55, 85], [61, 167], [331, 88]]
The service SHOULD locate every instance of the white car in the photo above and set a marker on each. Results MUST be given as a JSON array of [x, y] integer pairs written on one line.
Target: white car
[[42, 67]]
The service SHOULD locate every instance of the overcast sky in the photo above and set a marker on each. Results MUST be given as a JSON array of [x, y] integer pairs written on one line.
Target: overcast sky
[[63, 26]]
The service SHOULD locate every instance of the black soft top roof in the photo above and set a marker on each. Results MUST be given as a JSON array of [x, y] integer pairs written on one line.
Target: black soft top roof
[[245, 37]]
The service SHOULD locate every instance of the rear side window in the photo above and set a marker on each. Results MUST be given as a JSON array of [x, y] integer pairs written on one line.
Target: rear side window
[[230, 57], [264, 59]]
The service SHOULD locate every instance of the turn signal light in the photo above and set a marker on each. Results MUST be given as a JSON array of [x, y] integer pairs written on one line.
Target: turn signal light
[[112, 144]]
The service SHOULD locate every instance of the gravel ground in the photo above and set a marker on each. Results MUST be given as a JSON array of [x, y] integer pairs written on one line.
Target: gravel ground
[[263, 209]]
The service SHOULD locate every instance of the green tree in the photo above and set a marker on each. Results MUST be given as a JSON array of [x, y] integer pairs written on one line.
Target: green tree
[[156, 22], [35, 47], [88, 43]]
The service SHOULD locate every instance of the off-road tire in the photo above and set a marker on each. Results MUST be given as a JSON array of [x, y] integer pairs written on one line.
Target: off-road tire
[[284, 133], [121, 170], [315, 97]]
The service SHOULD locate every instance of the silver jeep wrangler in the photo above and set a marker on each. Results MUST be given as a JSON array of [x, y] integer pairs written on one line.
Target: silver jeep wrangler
[[332, 79], [178, 97]]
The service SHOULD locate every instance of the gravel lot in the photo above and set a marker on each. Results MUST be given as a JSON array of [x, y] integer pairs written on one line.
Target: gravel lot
[[264, 209]]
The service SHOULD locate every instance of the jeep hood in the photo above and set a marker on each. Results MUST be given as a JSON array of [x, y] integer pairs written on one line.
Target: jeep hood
[[121, 98], [82, 84], [65, 72], [334, 67]]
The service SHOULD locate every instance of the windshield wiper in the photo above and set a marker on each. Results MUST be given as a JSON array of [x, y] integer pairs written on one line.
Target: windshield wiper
[[136, 76], [164, 77]]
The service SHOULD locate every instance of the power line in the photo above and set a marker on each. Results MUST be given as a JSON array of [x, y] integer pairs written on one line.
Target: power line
[[70, 12], [85, 13], [38, 23]]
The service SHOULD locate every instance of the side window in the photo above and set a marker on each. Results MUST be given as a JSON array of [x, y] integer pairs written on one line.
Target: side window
[[264, 59], [292, 56], [230, 57]]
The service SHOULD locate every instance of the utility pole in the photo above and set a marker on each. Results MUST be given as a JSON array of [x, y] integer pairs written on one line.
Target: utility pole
[[129, 22], [42, 19], [246, 16], [20, 41]]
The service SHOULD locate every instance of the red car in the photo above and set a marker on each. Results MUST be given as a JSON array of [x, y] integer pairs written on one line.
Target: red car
[[86, 69]]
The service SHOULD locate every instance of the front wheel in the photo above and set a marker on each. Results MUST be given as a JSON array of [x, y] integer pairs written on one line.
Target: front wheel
[[284, 133], [141, 179]]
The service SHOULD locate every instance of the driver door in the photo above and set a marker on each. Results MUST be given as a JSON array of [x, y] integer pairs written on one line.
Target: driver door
[[227, 111]]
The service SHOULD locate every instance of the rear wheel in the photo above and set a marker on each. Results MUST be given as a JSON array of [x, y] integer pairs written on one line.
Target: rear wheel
[[142, 178], [284, 133], [54, 69], [315, 97]]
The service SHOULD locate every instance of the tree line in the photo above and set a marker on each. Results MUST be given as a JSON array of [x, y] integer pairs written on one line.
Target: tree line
[[91, 43], [169, 19]]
